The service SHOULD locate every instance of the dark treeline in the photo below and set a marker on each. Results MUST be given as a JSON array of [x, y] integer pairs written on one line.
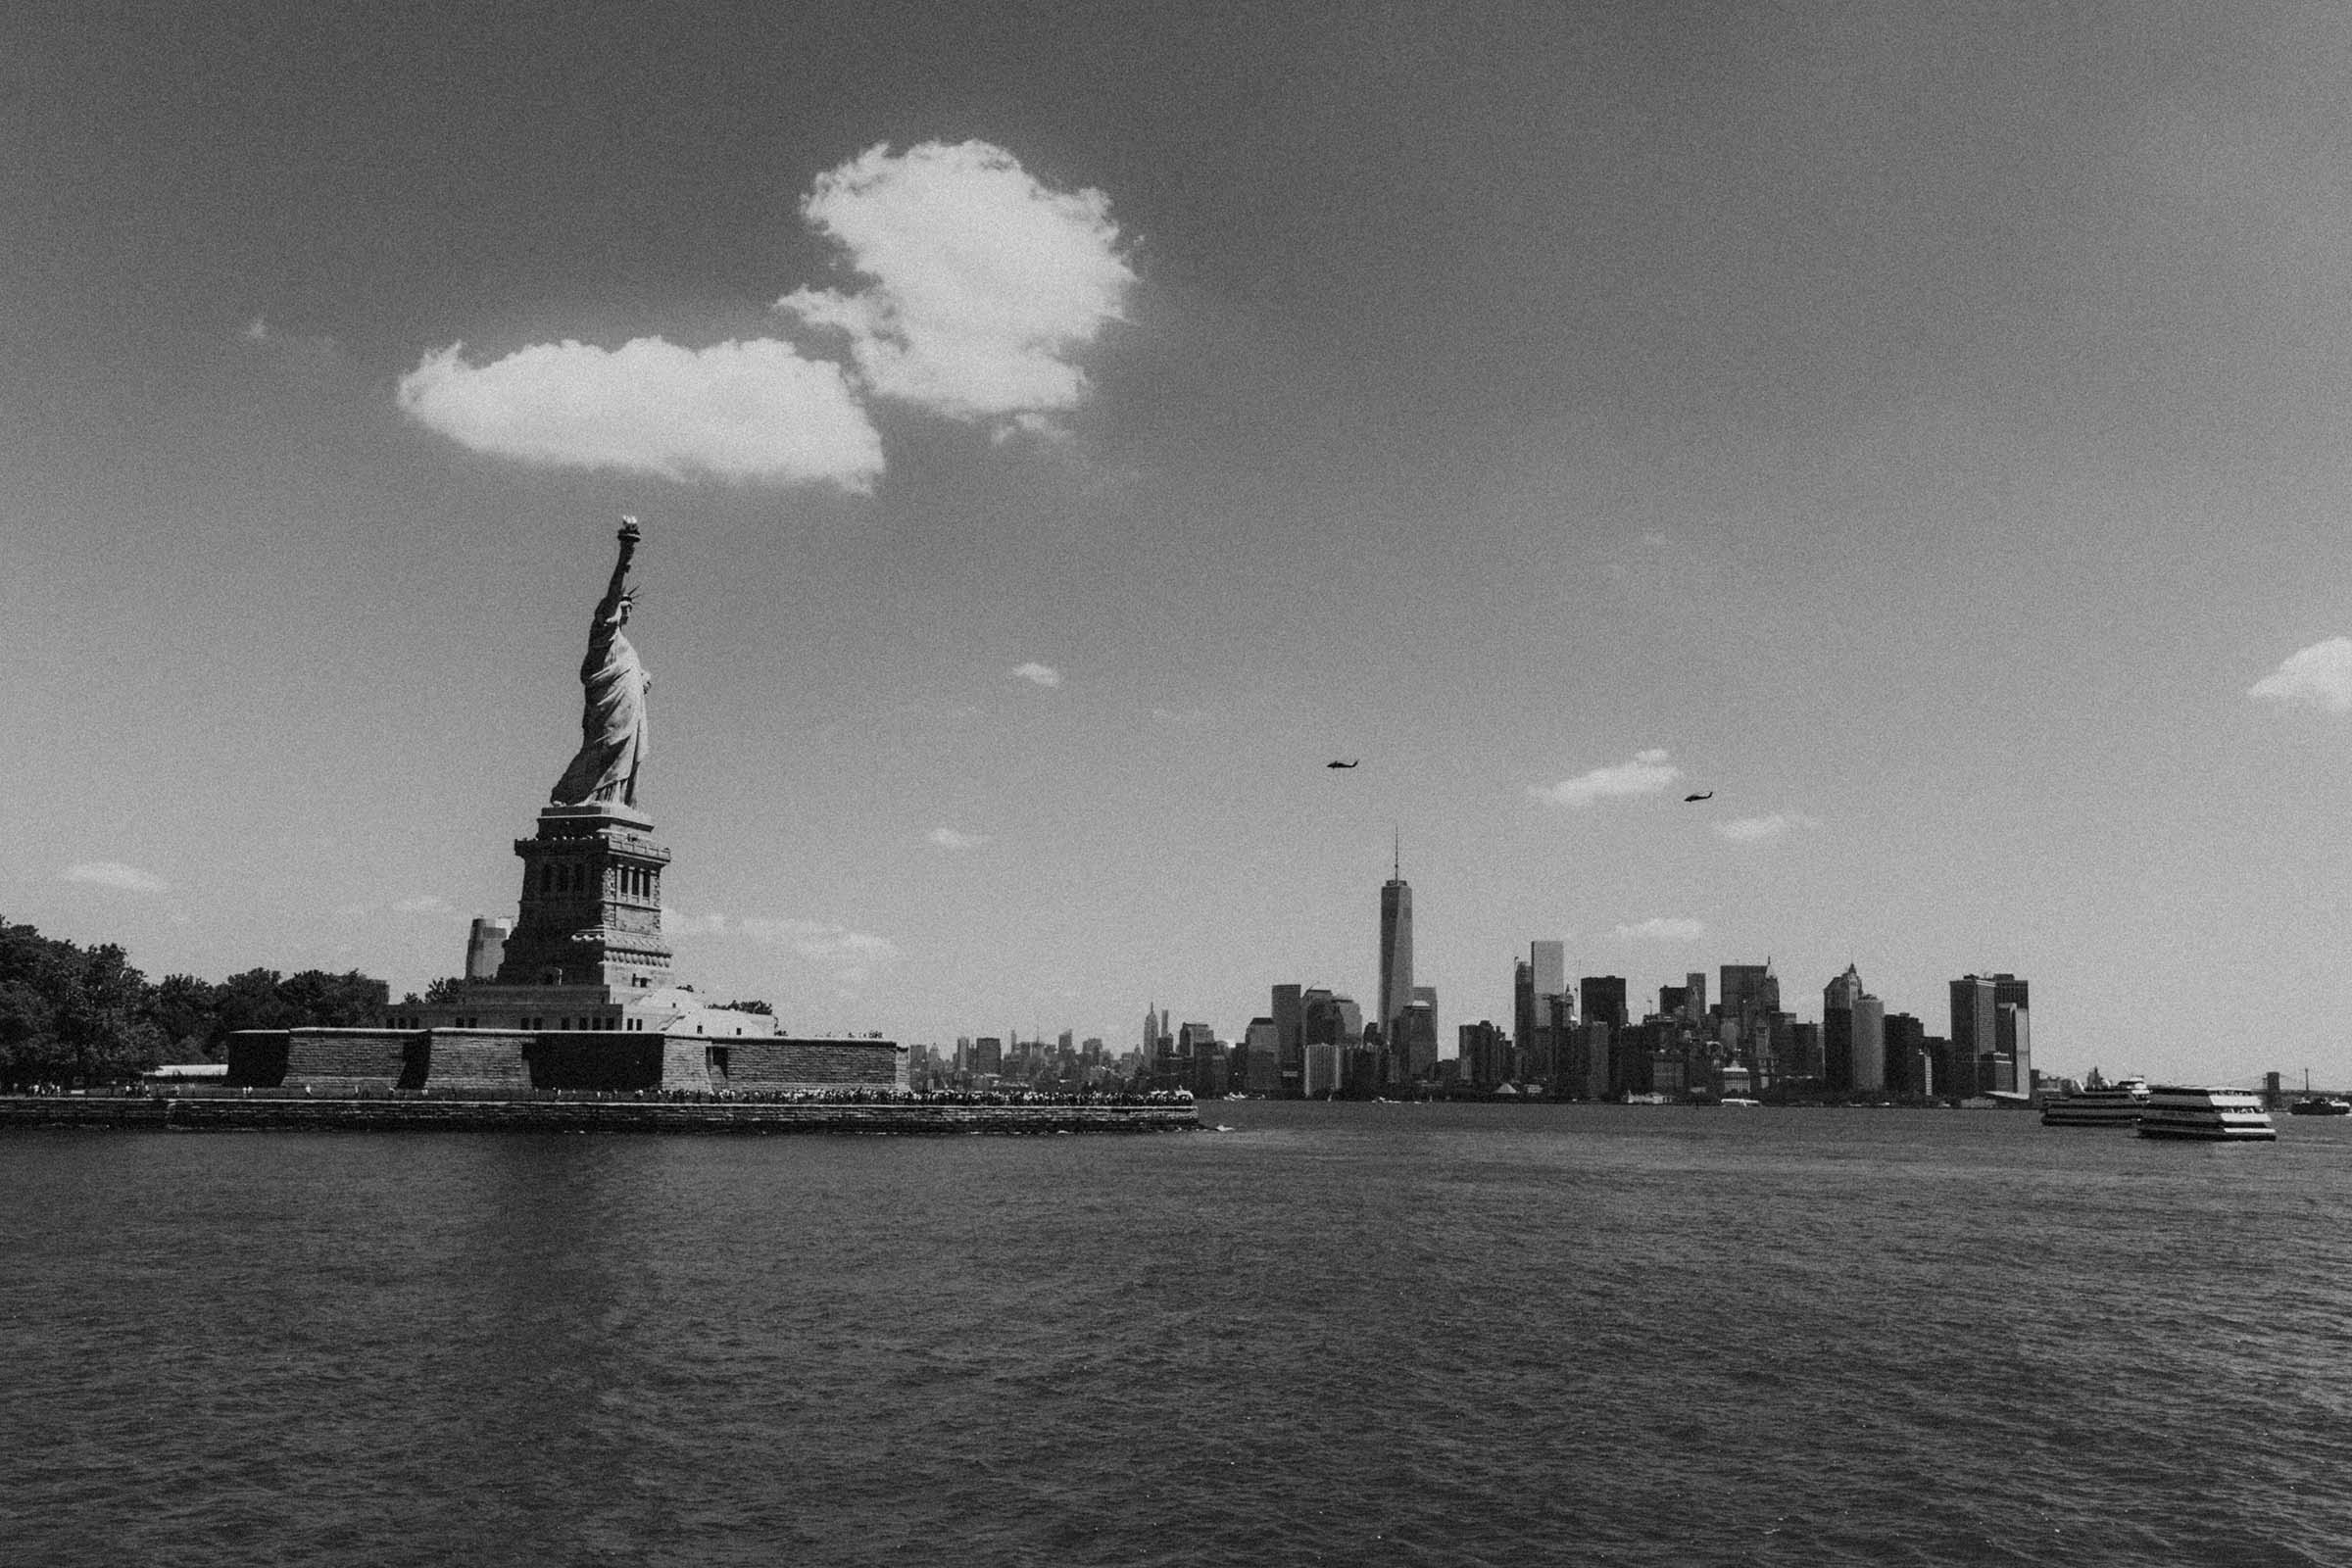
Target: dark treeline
[[75, 1016]]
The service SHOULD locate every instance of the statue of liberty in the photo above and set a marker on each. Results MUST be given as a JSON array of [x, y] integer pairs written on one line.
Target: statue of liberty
[[612, 713]]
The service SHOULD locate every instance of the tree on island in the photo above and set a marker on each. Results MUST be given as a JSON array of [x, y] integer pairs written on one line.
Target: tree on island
[[76, 1016], [70, 1015]]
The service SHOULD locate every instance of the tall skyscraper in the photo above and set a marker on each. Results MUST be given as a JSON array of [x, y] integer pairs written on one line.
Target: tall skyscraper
[[1290, 1038], [1417, 1039], [1908, 1069], [1548, 966], [1261, 1073], [1603, 1000], [1538, 1010], [1991, 1051], [1838, 1000], [1523, 1012], [1870, 1044], [1749, 989], [1853, 1036], [2012, 1034], [1396, 950]]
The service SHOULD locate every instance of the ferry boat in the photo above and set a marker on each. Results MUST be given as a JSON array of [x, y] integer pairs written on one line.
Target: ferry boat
[[2099, 1105], [2213, 1113]]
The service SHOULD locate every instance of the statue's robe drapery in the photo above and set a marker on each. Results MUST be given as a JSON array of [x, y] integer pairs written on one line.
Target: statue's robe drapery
[[612, 721]]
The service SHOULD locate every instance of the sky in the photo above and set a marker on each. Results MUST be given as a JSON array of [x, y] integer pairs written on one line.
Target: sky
[[1058, 430]]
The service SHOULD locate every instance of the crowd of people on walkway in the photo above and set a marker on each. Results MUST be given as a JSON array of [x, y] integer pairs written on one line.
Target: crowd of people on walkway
[[846, 1095]]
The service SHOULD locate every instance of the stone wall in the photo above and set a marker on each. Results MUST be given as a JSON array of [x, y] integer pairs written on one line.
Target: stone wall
[[754, 1065], [257, 1058], [604, 1061], [495, 1061], [477, 1062], [277, 1113], [686, 1066], [328, 1061]]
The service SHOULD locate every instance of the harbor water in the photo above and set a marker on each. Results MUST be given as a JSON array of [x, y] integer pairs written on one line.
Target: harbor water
[[1337, 1334]]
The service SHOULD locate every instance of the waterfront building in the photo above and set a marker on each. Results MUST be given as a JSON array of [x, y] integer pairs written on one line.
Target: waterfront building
[[1261, 1066], [1910, 1070], [1588, 1066], [1870, 1044], [1320, 1077], [1523, 1011], [1991, 1050], [1795, 1049], [2012, 1046], [1290, 1038], [1485, 1055], [1328, 1018], [1540, 1011], [1417, 1035], [1748, 990], [1853, 1045]]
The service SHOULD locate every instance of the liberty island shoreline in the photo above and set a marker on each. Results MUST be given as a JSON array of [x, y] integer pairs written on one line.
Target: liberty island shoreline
[[876, 1114]]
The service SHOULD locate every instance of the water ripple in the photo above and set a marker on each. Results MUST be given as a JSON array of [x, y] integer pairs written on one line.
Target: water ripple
[[1339, 1333]]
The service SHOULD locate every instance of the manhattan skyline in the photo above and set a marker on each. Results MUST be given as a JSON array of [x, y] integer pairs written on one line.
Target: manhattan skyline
[[1059, 435]]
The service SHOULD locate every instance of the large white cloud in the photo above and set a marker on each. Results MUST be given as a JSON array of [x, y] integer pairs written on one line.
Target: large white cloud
[[752, 410], [1648, 773], [976, 287], [2319, 676], [983, 282]]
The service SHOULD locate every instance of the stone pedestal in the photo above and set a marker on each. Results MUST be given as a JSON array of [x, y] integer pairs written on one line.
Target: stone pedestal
[[591, 910]]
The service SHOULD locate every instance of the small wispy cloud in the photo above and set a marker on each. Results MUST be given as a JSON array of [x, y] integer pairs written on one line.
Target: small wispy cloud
[[114, 874], [1038, 675], [847, 957], [1772, 825], [2319, 676], [947, 838], [1664, 929], [850, 956], [1648, 773]]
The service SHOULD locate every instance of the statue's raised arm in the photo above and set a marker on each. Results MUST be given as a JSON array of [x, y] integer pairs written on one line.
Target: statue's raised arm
[[613, 686], [617, 592]]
